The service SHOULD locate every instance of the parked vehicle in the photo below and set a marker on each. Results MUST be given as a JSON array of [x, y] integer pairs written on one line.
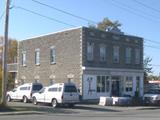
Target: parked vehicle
[[59, 93], [24, 92], [152, 97]]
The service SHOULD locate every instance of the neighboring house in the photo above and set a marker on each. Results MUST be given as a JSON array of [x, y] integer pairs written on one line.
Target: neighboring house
[[100, 63]]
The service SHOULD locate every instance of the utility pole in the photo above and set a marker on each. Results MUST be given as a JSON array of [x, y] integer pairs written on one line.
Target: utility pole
[[4, 60]]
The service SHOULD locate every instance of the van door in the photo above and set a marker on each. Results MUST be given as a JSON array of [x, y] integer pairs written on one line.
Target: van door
[[41, 95], [14, 94], [70, 94]]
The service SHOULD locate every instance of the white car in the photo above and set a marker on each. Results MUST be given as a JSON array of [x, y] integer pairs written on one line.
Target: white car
[[24, 92], [59, 93], [152, 97]]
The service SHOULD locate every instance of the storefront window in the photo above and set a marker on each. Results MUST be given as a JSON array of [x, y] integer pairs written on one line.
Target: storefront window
[[107, 84], [129, 84], [98, 84], [103, 84]]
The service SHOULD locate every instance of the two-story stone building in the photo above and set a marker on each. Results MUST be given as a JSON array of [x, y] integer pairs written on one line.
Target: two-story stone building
[[100, 63]]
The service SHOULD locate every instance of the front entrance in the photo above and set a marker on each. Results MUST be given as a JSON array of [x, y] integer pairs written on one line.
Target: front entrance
[[115, 90]]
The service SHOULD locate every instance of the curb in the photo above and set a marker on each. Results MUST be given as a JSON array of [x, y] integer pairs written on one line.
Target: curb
[[20, 113]]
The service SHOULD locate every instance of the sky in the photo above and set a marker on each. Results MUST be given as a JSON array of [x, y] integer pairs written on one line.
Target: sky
[[138, 17]]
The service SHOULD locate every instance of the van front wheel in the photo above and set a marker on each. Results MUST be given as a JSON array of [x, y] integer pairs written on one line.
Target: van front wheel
[[54, 103], [35, 101]]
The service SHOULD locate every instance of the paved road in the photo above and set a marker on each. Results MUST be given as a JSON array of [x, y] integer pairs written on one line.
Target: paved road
[[86, 112]]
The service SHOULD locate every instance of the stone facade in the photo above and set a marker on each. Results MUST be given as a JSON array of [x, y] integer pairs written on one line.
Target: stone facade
[[68, 59]]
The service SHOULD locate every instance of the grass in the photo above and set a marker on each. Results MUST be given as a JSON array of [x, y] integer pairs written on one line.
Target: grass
[[5, 109], [14, 108]]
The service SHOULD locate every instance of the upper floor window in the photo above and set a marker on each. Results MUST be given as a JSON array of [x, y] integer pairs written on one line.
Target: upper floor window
[[137, 56], [115, 54], [24, 58], [102, 51], [128, 55], [52, 55], [37, 56], [90, 47]]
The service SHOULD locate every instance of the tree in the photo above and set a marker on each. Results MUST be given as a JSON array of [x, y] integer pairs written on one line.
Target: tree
[[106, 25], [12, 55], [147, 67], [0, 81]]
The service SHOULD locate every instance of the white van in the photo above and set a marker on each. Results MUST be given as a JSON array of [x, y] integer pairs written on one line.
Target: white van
[[59, 93], [152, 97], [24, 92]]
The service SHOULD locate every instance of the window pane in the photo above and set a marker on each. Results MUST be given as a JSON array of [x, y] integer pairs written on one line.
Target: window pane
[[52, 55], [102, 52], [137, 56], [128, 55]]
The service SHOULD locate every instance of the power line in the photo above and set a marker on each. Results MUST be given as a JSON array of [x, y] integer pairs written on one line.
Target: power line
[[147, 6], [50, 18], [79, 17], [152, 41], [133, 8], [155, 47], [130, 11], [65, 12], [75, 26]]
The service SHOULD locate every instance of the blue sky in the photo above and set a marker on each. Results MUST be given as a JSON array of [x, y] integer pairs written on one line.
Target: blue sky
[[135, 19]]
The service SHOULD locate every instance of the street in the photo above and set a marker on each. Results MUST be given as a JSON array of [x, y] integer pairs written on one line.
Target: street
[[88, 112]]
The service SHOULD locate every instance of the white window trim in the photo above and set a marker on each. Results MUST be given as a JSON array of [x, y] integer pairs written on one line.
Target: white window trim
[[53, 62], [37, 50], [24, 61]]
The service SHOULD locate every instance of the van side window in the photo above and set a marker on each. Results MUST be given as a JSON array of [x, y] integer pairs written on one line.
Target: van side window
[[23, 88], [55, 89]]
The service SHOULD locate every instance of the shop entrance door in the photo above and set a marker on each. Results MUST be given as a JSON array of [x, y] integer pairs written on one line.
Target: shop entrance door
[[115, 86]]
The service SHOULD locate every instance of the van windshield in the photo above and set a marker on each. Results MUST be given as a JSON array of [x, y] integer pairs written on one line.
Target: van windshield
[[37, 87], [70, 88]]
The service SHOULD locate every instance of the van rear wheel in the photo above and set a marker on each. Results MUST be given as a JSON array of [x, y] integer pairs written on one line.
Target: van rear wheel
[[8, 98], [54, 103], [70, 105], [25, 99]]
